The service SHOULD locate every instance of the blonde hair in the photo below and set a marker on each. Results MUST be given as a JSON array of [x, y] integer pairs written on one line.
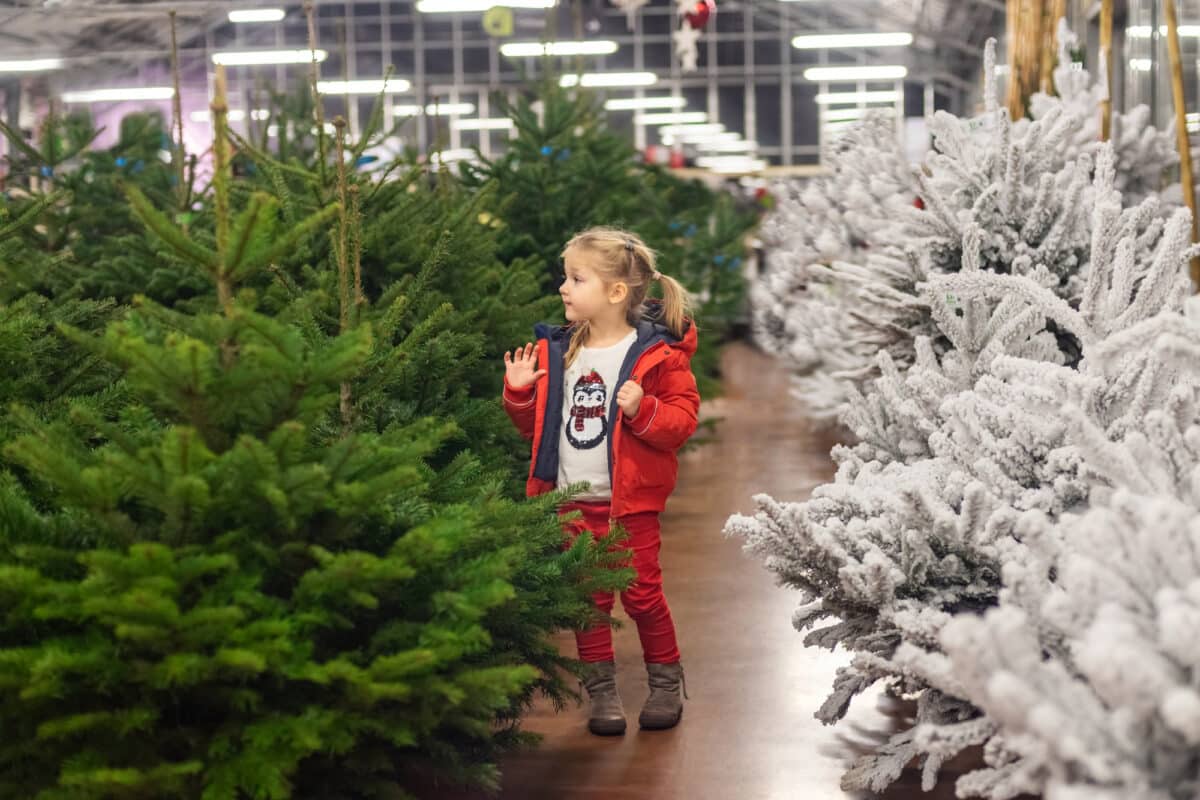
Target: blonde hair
[[624, 257]]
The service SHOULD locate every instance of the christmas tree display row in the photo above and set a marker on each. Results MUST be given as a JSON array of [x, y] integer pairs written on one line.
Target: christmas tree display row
[[1012, 540], [259, 533]]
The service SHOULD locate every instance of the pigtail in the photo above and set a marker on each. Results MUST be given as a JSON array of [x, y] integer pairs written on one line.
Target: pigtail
[[677, 304]]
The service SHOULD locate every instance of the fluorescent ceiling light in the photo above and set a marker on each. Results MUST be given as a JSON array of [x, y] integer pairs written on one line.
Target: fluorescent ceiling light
[[449, 109], [713, 138], [684, 131], [31, 65], [119, 95], [599, 47], [469, 6], [442, 110], [233, 115], [594, 79], [735, 146], [674, 118], [818, 74], [855, 98], [1143, 31], [842, 114], [257, 15], [497, 124], [845, 40], [446, 156], [639, 103], [702, 138], [392, 86], [731, 163], [1141, 64], [233, 58]]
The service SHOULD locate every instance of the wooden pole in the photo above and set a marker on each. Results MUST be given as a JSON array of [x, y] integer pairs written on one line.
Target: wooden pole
[[341, 251], [1034, 30], [1181, 132], [1050, 49], [1013, 95], [1025, 19], [177, 123], [220, 182], [1106, 31], [314, 75]]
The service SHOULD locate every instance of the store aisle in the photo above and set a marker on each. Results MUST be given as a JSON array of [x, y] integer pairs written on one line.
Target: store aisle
[[748, 732]]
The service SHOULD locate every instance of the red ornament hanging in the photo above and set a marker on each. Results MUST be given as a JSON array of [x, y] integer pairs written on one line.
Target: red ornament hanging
[[701, 13]]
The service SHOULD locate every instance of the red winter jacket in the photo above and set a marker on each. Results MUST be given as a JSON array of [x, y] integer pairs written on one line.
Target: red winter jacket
[[641, 451]]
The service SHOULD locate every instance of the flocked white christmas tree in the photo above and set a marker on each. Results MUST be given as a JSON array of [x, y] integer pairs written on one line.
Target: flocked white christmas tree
[[846, 291], [803, 310], [1036, 275], [1111, 592], [1142, 151]]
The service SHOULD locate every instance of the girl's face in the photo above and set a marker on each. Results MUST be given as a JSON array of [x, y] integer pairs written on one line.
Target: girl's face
[[584, 293]]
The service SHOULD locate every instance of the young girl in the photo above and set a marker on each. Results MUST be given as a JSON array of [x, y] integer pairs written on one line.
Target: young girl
[[607, 400]]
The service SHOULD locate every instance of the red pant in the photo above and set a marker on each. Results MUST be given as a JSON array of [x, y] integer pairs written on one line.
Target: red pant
[[643, 600]]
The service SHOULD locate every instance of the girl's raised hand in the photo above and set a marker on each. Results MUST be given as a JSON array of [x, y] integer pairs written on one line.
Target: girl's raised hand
[[520, 367]]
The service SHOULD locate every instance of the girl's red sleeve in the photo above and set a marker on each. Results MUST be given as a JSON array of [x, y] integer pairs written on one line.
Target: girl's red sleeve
[[668, 418], [521, 406]]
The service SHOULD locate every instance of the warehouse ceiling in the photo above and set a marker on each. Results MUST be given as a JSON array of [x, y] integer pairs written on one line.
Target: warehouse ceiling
[[98, 35], [103, 35], [949, 34]]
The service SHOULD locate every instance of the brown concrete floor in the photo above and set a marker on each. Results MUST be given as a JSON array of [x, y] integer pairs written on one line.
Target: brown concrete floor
[[748, 732]]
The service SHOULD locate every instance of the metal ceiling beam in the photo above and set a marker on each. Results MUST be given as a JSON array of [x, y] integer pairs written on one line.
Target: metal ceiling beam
[[957, 44], [124, 10]]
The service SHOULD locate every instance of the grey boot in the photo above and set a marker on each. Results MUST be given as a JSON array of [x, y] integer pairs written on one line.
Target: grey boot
[[607, 718], [664, 706]]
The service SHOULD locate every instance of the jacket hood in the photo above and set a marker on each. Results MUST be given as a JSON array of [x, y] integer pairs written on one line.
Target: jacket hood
[[650, 329]]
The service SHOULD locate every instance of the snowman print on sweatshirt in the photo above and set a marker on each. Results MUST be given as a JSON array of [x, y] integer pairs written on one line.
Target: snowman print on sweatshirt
[[588, 423]]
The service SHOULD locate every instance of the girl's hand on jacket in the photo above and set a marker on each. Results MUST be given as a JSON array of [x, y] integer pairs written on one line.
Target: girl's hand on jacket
[[629, 398], [520, 367]]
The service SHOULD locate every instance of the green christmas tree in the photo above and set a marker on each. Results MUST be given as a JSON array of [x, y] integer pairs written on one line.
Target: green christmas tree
[[273, 570], [38, 367], [82, 220], [561, 173], [702, 236], [424, 236]]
